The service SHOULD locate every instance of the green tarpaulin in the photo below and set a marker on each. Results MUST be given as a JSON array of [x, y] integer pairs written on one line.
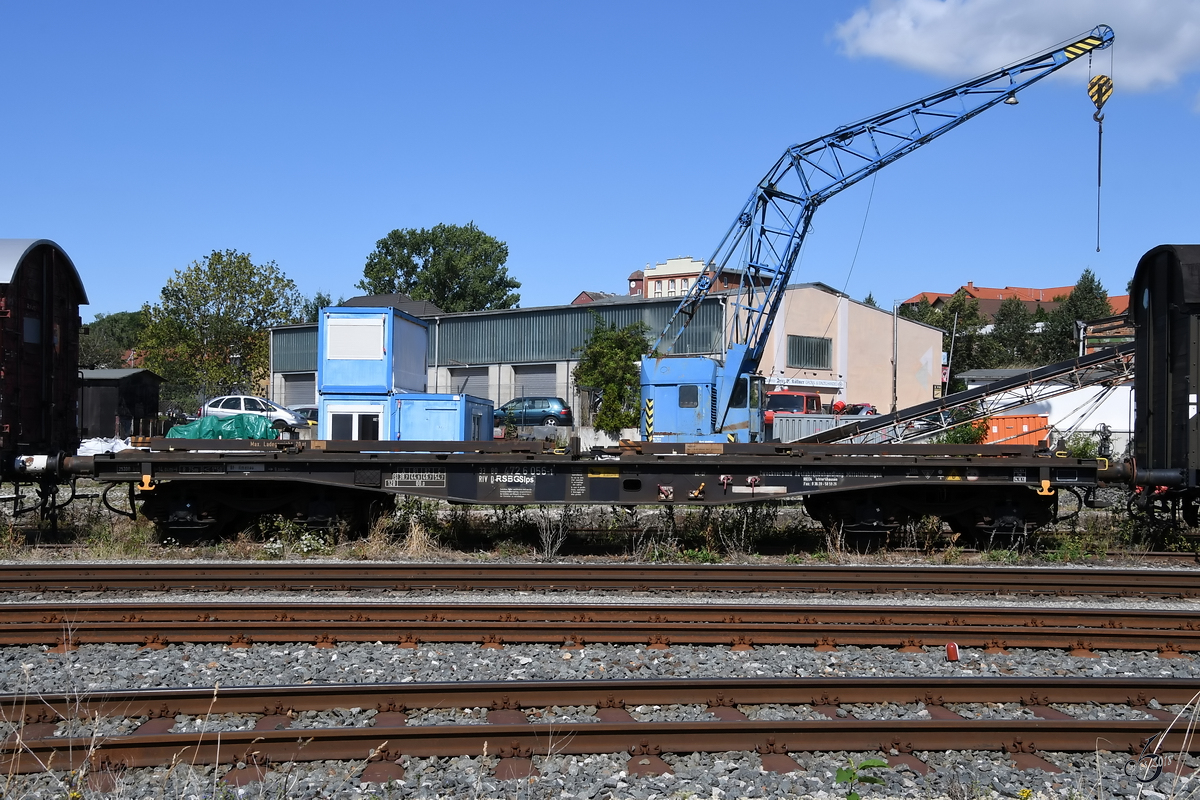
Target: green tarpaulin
[[239, 426]]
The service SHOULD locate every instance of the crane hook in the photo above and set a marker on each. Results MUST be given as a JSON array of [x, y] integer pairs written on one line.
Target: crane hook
[[1100, 89]]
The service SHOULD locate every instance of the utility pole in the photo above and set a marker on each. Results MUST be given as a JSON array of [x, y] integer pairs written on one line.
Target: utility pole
[[950, 359], [895, 348]]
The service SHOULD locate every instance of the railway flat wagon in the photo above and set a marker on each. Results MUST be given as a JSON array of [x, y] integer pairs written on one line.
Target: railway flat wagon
[[40, 295]]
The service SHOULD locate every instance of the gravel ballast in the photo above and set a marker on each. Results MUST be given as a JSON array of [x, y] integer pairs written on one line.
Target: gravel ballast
[[720, 776], [96, 667]]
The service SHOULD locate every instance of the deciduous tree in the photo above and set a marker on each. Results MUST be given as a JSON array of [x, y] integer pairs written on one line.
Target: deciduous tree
[[208, 332], [457, 268], [109, 339], [312, 306], [608, 363]]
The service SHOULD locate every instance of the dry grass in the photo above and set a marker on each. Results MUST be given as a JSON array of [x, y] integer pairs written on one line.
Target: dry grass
[[418, 544]]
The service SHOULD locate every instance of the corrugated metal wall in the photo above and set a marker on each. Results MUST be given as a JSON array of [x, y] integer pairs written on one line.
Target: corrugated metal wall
[[470, 380], [294, 349], [535, 380], [300, 389], [554, 334]]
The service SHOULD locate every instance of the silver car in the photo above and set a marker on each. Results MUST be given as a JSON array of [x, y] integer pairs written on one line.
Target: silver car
[[231, 404]]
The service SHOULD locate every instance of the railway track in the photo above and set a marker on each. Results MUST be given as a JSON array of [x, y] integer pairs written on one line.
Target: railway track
[[92, 609], [743, 626], [514, 736], [342, 576]]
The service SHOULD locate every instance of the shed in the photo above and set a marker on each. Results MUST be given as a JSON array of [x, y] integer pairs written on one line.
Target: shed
[[116, 403]]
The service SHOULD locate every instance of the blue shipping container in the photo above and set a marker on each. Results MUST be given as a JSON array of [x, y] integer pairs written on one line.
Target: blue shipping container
[[444, 417], [404, 417], [370, 351]]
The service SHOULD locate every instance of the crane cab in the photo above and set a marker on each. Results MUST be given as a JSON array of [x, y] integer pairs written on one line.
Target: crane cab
[[682, 402]]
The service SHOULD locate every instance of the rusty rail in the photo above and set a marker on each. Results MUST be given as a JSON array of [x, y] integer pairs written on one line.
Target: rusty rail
[[516, 738], [725, 692], [1169, 633], [347, 744], [171, 576]]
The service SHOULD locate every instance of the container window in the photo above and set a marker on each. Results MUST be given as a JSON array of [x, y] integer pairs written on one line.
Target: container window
[[341, 426], [368, 427], [354, 339]]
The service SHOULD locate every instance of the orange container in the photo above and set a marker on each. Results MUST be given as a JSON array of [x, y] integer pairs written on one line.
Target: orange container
[[1018, 429]]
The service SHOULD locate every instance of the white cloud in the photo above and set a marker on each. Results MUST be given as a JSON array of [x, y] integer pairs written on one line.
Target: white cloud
[[1157, 41]]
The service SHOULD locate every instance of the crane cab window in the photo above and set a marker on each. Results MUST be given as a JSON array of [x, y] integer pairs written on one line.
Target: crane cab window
[[689, 396], [748, 387], [738, 398], [757, 391]]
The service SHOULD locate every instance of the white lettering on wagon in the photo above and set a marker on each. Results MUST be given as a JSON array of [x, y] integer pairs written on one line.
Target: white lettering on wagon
[[425, 479], [513, 475]]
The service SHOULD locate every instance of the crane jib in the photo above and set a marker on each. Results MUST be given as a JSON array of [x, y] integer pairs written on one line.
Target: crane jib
[[1086, 46], [760, 249]]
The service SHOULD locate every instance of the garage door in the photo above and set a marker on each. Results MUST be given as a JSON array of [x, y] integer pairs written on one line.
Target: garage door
[[469, 380], [535, 380], [300, 389]]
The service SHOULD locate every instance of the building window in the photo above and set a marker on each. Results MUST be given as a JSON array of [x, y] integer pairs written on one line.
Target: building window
[[683, 285], [671, 288], [658, 288], [809, 352]]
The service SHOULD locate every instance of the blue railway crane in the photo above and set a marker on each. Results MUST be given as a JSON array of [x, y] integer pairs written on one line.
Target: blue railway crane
[[698, 398]]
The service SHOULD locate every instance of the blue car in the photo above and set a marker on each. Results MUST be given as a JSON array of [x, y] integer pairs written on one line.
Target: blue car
[[535, 411]]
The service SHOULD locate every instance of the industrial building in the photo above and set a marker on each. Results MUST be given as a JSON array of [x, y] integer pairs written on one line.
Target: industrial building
[[822, 341], [826, 342]]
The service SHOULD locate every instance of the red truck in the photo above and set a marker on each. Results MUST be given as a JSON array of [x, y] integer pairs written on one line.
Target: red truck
[[786, 402]]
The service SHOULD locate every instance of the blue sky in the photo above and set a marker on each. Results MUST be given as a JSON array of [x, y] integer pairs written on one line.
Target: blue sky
[[592, 139]]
